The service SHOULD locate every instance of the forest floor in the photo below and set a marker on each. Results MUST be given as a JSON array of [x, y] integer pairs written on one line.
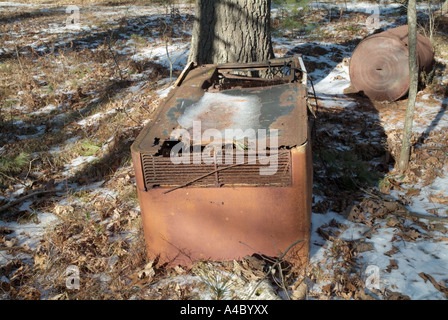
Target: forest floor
[[74, 97]]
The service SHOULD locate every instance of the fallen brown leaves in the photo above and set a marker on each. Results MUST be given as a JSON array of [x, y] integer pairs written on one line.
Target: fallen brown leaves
[[428, 157], [18, 286], [438, 285], [346, 281], [108, 249], [393, 265]]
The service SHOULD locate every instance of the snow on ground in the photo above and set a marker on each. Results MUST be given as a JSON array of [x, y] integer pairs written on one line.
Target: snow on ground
[[423, 255], [412, 258], [70, 168], [46, 109], [27, 234], [335, 82], [432, 197], [176, 54]]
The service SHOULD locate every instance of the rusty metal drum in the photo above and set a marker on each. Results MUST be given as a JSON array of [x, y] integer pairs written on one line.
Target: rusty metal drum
[[379, 65]]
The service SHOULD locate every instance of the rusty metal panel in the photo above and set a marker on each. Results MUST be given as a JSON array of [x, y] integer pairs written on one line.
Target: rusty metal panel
[[219, 211], [159, 171], [282, 106], [379, 65], [195, 223]]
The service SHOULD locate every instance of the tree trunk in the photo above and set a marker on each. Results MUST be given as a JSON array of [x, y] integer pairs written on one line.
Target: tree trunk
[[413, 87], [445, 7], [231, 31]]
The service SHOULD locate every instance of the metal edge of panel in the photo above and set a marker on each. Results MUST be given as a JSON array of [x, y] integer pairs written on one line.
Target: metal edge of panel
[[190, 72], [190, 75]]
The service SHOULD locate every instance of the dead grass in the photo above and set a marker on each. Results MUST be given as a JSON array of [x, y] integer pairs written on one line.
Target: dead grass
[[99, 234], [108, 249], [100, 231]]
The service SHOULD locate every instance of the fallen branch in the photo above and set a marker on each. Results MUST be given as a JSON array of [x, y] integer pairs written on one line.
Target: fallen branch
[[403, 210], [21, 199], [128, 115], [10, 248], [13, 179]]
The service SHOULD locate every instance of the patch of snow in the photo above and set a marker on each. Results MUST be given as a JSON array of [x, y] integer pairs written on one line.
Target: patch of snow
[[105, 192], [16, 4], [335, 82], [136, 88], [427, 117], [178, 54], [28, 233], [163, 93], [40, 131], [45, 110], [245, 112], [428, 197], [93, 119], [70, 168], [80, 160], [412, 257]]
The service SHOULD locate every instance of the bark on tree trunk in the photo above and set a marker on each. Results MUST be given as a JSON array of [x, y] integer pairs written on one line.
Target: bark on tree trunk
[[231, 31], [413, 87]]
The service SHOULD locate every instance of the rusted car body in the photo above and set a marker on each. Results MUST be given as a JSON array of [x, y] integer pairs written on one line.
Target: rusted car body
[[222, 210], [379, 65]]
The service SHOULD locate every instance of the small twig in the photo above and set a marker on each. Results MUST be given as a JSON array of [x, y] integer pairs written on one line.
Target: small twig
[[128, 115], [18, 59], [282, 280], [142, 105], [170, 60], [115, 59], [21, 199], [29, 167], [277, 263], [13, 179], [10, 248]]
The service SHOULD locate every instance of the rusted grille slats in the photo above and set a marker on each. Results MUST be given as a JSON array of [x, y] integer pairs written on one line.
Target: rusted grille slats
[[160, 171]]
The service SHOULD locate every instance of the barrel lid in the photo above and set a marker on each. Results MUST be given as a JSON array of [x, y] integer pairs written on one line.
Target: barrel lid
[[379, 65]]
